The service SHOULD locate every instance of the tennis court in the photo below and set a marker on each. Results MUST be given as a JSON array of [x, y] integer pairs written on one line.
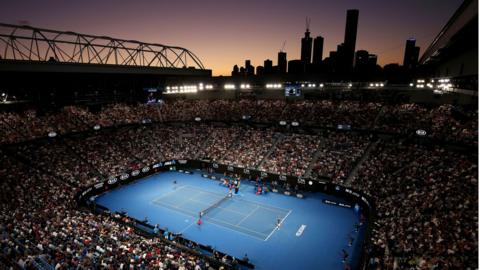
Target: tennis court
[[311, 236], [250, 218]]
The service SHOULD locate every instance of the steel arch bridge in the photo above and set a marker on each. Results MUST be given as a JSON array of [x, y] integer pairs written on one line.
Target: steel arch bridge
[[26, 43]]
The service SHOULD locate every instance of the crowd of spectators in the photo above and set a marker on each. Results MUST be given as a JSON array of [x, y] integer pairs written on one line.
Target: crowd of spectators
[[425, 193], [292, 155], [328, 113], [219, 141], [104, 152], [253, 146], [39, 223], [338, 154], [426, 202], [444, 122], [57, 159]]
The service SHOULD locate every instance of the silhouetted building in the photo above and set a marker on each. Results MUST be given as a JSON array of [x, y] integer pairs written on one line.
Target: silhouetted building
[[260, 70], [268, 67], [296, 67], [372, 60], [410, 59], [339, 65], [249, 69], [242, 71], [317, 50], [394, 73], [282, 62], [235, 71], [361, 59], [330, 61], [365, 65], [306, 52], [350, 38]]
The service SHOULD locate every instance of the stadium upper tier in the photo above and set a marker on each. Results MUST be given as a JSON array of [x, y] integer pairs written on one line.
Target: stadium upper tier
[[445, 122]]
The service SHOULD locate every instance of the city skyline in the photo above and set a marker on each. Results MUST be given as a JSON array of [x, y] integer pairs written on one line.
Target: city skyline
[[226, 33]]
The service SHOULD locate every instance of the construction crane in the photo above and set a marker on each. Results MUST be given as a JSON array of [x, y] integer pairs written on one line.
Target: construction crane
[[307, 24], [282, 49]]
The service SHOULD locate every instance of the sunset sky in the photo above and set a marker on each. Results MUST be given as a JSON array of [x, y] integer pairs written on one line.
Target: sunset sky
[[224, 33]]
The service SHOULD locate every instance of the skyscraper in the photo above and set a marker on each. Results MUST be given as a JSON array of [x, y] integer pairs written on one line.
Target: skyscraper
[[260, 70], [350, 38], [317, 50], [249, 69], [282, 62], [410, 58], [306, 52], [268, 66], [235, 71]]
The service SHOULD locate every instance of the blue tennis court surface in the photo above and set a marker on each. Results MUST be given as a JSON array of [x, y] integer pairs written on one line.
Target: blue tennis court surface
[[250, 218], [245, 223]]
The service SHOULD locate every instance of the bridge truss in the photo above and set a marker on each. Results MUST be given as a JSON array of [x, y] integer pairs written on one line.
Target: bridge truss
[[21, 42]]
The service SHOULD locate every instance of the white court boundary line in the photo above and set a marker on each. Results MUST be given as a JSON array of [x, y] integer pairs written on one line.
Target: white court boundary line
[[277, 227], [218, 222], [247, 216], [200, 191], [188, 227], [269, 207], [169, 193]]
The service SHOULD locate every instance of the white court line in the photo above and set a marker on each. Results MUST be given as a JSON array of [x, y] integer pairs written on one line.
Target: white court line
[[225, 227], [189, 200], [266, 206], [178, 205], [276, 227], [172, 208], [207, 220], [161, 202], [169, 193], [188, 227], [177, 208], [253, 230], [222, 208], [243, 219]]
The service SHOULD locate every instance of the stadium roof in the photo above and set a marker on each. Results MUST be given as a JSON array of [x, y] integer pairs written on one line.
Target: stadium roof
[[465, 16]]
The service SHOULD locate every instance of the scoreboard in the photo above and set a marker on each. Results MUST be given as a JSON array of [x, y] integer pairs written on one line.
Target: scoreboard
[[293, 90]]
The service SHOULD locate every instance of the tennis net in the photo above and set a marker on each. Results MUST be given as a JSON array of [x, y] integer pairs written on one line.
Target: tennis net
[[215, 205]]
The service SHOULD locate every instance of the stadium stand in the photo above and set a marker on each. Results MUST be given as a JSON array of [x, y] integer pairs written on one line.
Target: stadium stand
[[424, 187]]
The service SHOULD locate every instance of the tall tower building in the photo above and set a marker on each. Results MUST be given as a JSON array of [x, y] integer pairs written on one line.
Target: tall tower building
[[282, 62], [249, 69], [268, 66], [350, 37], [410, 59], [306, 52], [317, 50], [235, 71]]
